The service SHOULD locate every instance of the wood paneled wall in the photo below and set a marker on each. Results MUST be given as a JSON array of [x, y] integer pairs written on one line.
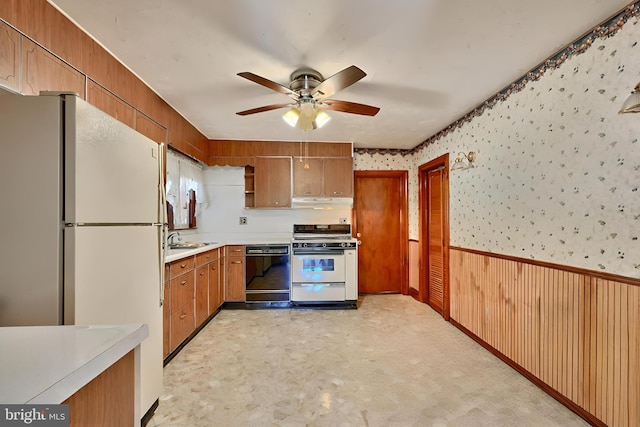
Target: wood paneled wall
[[83, 62], [575, 333]]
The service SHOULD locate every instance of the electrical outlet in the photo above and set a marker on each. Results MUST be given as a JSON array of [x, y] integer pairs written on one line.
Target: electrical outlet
[[343, 220], [243, 220]]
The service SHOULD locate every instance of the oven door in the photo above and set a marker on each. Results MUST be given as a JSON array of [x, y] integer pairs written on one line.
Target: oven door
[[313, 266]]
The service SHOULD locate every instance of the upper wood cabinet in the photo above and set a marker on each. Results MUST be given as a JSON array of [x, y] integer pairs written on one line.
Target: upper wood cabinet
[[323, 177], [307, 177], [9, 57], [110, 104], [43, 71], [149, 128], [338, 177], [272, 183]]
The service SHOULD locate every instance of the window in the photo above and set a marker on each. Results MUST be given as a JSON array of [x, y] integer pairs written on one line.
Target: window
[[185, 191]]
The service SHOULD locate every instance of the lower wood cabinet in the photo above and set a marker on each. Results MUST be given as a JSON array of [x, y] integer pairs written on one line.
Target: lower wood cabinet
[[216, 294], [202, 293], [182, 295], [166, 314], [193, 292], [234, 274]]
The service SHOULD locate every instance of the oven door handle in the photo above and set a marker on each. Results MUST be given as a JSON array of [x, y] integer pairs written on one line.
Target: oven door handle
[[319, 252], [318, 284]]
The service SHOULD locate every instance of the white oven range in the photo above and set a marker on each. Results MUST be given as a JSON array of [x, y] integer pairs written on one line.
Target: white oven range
[[324, 265]]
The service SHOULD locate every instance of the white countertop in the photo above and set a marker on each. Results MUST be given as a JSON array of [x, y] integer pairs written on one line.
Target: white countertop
[[175, 254], [47, 364]]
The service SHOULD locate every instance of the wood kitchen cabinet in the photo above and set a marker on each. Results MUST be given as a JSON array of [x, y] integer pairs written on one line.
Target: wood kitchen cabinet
[[202, 294], [207, 284], [42, 70], [9, 57], [182, 300], [272, 184], [322, 177], [338, 177], [110, 104], [166, 314], [234, 274], [216, 296], [307, 177]]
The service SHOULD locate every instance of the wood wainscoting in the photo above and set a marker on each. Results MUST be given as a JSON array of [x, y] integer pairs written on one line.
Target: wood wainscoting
[[573, 332]]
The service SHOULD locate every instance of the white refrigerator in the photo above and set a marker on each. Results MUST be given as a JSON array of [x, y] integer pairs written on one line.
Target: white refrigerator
[[82, 223]]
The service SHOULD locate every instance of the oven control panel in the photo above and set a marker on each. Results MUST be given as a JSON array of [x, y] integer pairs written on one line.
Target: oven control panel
[[330, 245]]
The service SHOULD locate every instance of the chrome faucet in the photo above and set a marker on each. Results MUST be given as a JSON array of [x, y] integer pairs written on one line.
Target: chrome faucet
[[171, 236]]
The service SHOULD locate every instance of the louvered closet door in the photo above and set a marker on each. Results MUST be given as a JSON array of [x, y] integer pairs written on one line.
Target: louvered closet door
[[435, 221]]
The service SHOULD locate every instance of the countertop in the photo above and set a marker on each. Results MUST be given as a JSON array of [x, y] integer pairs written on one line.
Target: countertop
[[47, 364], [176, 254]]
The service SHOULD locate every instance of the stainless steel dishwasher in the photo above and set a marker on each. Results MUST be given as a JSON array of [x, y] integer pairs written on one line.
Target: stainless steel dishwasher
[[267, 272]]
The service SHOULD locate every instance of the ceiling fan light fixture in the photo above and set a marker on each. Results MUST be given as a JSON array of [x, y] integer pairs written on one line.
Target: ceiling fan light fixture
[[291, 117], [322, 118]]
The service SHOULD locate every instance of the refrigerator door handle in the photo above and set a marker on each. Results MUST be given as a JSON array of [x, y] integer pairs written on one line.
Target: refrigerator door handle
[[163, 226]]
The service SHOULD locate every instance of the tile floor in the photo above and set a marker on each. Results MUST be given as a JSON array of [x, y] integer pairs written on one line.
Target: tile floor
[[392, 362]]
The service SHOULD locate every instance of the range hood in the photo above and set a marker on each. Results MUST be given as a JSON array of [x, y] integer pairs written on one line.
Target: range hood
[[322, 202]]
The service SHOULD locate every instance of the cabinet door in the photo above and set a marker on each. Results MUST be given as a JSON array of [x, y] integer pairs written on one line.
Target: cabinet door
[[338, 177], [307, 177], [150, 129], [202, 294], [166, 321], [182, 291], [273, 182], [182, 325], [234, 274], [43, 71], [215, 296], [109, 103], [9, 57]]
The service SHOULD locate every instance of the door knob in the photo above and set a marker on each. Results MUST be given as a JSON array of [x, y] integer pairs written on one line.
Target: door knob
[[358, 235]]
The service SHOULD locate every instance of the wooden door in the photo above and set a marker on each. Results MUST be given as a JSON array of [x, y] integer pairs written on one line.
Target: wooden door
[[381, 227], [434, 234], [435, 257]]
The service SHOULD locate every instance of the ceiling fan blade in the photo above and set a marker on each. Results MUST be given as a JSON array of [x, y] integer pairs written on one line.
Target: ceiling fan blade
[[349, 107], [341, 80], [263, 109], [269, 84]]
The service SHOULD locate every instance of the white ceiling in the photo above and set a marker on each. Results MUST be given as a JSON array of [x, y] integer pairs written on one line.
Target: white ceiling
[[428, 62]]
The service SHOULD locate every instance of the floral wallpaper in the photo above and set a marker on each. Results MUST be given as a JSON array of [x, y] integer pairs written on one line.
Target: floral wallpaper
[[557, 174]]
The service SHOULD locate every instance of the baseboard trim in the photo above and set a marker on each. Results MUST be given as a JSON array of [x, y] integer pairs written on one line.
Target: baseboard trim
[[414, 293]]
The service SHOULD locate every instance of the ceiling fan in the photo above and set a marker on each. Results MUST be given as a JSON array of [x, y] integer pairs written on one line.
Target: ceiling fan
[[310, 94]]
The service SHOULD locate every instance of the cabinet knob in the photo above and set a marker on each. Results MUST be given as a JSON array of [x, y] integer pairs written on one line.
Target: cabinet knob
[[184, 282], [202, 273], [183, 316], [183, 265], [236, 262]]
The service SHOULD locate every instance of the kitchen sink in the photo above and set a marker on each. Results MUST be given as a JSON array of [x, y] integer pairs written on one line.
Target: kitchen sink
[[190, 245]]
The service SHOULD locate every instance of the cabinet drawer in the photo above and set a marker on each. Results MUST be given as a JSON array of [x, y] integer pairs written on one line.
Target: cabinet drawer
[[182, 324], [181, 266], [206, 257], [182, 291], [235, 250]]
